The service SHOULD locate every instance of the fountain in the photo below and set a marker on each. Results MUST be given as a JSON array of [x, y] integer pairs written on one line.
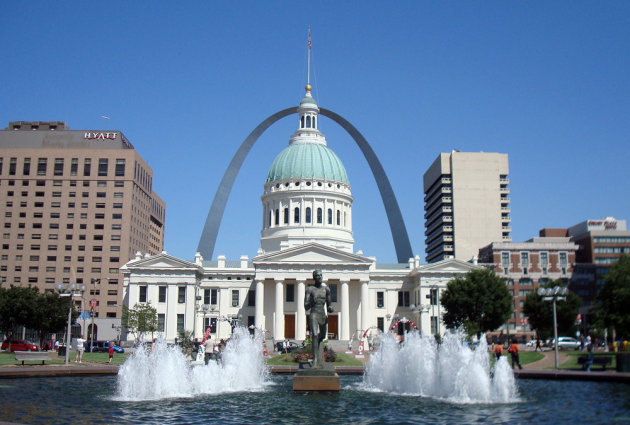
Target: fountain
[[164, 372], [450, 371]]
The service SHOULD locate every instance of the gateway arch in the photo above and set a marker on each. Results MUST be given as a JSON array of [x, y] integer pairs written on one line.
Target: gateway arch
[[396, 223]]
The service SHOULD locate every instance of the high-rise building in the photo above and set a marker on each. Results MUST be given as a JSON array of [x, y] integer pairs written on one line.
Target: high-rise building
[[75, 205], [466, 203], [601, 243]]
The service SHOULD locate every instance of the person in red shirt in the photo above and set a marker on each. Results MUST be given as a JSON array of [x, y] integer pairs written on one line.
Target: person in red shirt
[[498, 351], [111, 353], [513, 350]]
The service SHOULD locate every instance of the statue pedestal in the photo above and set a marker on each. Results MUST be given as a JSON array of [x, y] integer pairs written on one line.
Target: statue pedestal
[[316, 380]]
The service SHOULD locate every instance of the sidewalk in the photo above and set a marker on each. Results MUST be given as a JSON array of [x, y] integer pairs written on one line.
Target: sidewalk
[[548, 361]]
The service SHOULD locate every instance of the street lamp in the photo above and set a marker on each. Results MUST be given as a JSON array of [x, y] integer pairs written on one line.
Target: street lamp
[[93, 313], [69, 290], [557, 293]]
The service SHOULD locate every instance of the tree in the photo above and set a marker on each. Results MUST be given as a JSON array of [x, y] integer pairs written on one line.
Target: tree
[[613, 299], [479, 302], [50, 314], [17, 305], [540, 313], [140, 319]]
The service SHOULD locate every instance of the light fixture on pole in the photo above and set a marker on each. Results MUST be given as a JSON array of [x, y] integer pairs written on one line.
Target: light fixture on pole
[[93, 303], [69, 290], [557, 293]]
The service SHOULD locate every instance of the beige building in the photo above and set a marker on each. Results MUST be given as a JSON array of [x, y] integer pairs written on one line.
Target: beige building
[[75, 205], [466, 203]]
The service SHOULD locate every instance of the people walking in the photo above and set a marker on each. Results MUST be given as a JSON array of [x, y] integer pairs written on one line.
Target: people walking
[[498, 351], [111, 353], [513, 350]]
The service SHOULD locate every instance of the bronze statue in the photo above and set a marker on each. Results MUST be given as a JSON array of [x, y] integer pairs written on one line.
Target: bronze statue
[[315, 298]]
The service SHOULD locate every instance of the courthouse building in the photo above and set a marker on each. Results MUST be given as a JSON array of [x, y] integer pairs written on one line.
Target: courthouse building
[[75, 205], [306, 225]]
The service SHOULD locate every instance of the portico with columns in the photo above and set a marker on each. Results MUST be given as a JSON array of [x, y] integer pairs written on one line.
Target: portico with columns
[[282, 277]]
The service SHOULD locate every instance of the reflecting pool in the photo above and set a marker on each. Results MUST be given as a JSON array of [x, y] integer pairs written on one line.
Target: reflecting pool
[[92, 400]]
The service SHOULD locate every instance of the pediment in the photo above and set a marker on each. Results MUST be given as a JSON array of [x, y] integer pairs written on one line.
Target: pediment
[[160, 261], [449, 266], [314, 253]]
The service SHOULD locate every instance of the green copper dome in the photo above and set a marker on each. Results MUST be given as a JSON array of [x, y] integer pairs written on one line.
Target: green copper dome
[[307, 160]]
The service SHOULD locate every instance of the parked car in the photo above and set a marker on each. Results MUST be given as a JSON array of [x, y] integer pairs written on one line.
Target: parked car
[[103, 347], [292, 346], [19, 345], [566, 343]]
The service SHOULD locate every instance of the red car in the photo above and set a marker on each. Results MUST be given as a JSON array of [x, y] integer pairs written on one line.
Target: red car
[[19, 345]]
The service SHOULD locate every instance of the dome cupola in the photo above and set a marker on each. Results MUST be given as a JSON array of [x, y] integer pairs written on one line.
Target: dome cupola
[[307, 194]]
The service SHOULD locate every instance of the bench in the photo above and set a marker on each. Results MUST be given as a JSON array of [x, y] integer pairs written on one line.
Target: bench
[[602, 361], [22, 356]]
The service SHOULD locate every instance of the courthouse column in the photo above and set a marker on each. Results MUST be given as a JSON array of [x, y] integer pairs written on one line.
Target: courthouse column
[[345, 312], [364, 306], [278, 332], [260, 302]]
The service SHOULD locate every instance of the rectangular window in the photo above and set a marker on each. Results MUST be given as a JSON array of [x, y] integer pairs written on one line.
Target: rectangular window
[[214, 295], [12, 166], [525, 259], [505, 259], [161, 322], [181, 294], [434, 325], [120, 167], [380, 299], [102, 167], [87, 166], [41, 166], [74, 166], [380, 323], [143, 294], [235, 298], [403, 298], [434, 296], [544, 259], [290, 293], [180, 323], [27, 167], [162, 294], [58, 170], [251, 298], [333, 292]]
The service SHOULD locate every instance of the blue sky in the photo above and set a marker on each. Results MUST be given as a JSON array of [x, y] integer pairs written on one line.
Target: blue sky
[[186, 82]]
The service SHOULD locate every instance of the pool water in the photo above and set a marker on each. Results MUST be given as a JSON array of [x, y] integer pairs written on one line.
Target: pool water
[[92, 400]]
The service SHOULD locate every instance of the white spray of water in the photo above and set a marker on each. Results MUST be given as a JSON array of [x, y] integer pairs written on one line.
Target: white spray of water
[[165, 372], [450, 371]]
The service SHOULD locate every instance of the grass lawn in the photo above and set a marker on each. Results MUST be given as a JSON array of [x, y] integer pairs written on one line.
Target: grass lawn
[[287, 360], [572, 362], [525, 357], [89, 359]]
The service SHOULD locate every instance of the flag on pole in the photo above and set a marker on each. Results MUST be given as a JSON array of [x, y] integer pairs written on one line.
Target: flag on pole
[[309, 38]]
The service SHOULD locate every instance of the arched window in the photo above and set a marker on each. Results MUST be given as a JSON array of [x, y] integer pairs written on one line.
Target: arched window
[[329, 216], [314, 122], [270, 217], [286, 216], [302, 121], [319, 216], [277, 217], [296, 215], [308, 214], [338, 218], [308, 121]]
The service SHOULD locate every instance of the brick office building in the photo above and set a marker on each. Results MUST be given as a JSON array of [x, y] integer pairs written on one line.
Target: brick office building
[[527, 265], [74, 206]]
